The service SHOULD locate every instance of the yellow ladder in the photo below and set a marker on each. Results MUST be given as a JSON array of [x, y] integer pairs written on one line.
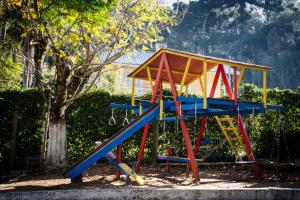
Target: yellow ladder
[[232, 135]]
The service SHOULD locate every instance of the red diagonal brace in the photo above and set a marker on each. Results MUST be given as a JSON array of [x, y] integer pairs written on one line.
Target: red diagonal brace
[[216, 79], [147, 127], [186, 136], [200, 134], [226, 82]]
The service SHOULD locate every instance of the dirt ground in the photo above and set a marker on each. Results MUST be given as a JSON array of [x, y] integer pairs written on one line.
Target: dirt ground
[[102, 175]]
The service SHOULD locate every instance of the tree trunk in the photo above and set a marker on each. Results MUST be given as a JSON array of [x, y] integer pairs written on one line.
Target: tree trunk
[[28, 52], [57, 144]]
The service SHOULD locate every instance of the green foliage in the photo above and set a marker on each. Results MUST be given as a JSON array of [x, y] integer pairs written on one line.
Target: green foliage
[[9, 74], [267, 125], [261, 32], [29, 106], [87, 122]]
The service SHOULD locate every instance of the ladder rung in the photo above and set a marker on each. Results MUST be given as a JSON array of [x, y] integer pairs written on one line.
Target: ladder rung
[[205, 146], [230, 129], [223, 119], [234, 138]]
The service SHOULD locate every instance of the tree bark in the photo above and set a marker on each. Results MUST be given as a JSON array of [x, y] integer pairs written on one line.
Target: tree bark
[[28, 53], [57, 144]]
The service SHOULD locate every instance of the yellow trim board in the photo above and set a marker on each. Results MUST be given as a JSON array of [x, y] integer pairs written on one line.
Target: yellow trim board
[[131, 173]]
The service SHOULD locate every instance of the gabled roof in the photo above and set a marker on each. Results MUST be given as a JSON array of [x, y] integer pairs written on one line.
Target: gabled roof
[[178, 60], [134, 58]]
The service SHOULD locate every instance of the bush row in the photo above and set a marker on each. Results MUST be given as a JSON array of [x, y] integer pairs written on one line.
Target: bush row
[[87, 122]]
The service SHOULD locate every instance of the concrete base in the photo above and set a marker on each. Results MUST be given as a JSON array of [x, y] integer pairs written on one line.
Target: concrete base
[[155, 193]]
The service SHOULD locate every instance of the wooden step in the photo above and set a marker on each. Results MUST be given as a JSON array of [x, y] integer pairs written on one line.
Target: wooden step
[[223, 119], [205, 146], [234, 138], [230, 129]]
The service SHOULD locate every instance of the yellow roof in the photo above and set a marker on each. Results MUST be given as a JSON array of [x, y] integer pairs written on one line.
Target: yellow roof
[[178, 61]]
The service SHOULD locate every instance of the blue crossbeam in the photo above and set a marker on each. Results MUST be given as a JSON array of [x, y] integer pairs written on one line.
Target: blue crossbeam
[[173, 159], [189, 106], [274, 107], [170, 119], [190, 99], [218, 112], [124, 106], [225, 103], [146, 104]]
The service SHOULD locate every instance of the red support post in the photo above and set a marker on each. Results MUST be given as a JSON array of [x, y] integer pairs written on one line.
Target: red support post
[[142, 147], [204, 119], [226, 82], [168, 155], [216, 79], [248, 148], [119, 152], [147, 127], [157, 80], [200, 134], [186, 136], [235, 86]]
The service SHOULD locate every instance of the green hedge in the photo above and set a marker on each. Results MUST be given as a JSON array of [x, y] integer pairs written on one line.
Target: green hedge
[[87, 121], [29, 107], [267, 125]]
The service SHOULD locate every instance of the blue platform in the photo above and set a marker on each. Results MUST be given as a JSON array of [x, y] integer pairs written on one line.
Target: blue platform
[[173, 159], [192, 106]]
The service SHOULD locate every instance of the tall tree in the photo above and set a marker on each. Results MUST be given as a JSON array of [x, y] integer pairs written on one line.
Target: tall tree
[[262, 32], [79, 38]]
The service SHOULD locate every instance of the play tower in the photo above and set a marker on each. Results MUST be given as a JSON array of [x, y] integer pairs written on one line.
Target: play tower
[[179, 69]]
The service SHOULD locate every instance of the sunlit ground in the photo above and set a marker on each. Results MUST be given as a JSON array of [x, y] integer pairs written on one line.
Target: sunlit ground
[[212, 177]]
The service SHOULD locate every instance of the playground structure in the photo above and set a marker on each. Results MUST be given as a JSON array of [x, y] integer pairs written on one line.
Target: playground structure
[[174, 67]]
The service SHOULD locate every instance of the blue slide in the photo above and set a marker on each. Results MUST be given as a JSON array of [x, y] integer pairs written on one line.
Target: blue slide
[[113, 142]]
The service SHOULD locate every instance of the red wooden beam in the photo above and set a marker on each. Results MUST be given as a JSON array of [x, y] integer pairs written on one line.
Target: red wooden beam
[[119, 152], [147, 127], [235, 86], [204, 119], [168, 155], [216, 79], [200, 134], [226, 82], [157, 81], [248, 148], [142, 147], [186, 136]]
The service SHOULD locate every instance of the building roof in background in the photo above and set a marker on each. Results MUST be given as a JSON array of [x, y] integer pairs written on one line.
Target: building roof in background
[[134, 58]]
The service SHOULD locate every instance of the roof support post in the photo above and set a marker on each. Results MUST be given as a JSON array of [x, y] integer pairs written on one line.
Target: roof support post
[[150, 79], [240, 76], [265, 88], [186, 71], [186, 90], [205, 84], [132, 91], [200, 84]]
